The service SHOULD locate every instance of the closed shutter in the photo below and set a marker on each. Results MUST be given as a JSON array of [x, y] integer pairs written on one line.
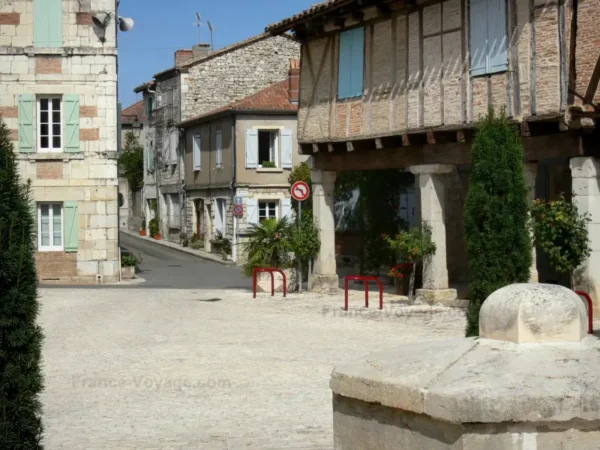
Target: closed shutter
[[197, 146], [219, 148], [26, 123], [287, 148], [496, 28], [252, 211], [286, 209], [150, 153], [72, 123], [71, 227], [479, 33], [173, 144], [34, 215], [351, 63], [47, 23], [251, 149]]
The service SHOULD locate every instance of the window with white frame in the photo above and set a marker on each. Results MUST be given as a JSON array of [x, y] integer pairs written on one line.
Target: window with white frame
[[49, 124], [50, 226], [173, 210], [219, 148], [268, 148], [267, 210]]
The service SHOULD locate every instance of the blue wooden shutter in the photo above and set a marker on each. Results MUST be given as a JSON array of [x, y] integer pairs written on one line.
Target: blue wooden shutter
[[47, 23], [71, 227], [496, 38], [479, 36], [287, 148], [251, 149], [345, 66], [26, 123], [72, 123]]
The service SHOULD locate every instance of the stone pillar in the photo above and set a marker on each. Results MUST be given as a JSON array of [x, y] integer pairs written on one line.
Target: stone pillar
[[430, 181], [585, 172], [531, 176], [325, 277]]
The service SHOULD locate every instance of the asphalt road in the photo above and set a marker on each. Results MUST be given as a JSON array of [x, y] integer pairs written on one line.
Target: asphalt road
[[166, 268]]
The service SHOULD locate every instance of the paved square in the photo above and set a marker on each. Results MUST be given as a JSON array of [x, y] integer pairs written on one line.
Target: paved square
[[193, 369]]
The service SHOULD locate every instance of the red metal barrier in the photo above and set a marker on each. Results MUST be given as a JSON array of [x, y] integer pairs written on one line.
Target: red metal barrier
[[365, 280], [590, 310], [271, 272]]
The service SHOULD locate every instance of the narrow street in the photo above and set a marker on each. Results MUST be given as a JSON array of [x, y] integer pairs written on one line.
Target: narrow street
[[165, 268]]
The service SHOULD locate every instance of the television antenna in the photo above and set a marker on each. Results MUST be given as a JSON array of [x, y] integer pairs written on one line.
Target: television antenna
[[211, 28], [199, 24]]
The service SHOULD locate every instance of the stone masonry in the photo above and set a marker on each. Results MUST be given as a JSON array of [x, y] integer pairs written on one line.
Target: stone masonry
[[83, 171]]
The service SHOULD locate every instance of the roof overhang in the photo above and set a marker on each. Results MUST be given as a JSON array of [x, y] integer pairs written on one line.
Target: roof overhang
[[233, 111]]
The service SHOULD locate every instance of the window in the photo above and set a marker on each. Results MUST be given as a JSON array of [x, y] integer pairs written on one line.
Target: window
[[351, 63], [197, 154], [50, 226], [220, 216], [49, 124], [173, 210], [268, 148], [219, 148], [267, 210], [488, 37], [47, 23], [149, 105]]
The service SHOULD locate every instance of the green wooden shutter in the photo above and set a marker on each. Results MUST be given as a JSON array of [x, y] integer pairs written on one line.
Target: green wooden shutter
[[47, 23], [71, 238], [72, 123], [26, 123]]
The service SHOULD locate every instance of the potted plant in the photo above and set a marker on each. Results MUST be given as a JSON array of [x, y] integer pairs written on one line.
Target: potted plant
[[401, 274], [411, 247], [197, 242], [128, 265], [217, 243], [143, 227], [226, 249], [155, 229]]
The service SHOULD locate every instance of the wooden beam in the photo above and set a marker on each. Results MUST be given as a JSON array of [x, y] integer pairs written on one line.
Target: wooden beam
[[339, 22], [525, 129], [460, 137], [315, 148], [430, 138], [592, 87], [405, 140], [330, 147], [349, 146], [358, 15], [378, 143]]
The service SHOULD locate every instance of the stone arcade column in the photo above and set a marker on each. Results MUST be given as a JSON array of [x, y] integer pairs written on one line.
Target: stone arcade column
[[325, 278], [530, 176], [430, 181], [585, 172]]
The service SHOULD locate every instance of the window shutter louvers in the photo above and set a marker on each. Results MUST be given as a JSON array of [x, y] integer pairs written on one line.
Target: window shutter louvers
[[71, 225], [72, 144], [251, 149], [287, 148], [252, 211], [26, 123]]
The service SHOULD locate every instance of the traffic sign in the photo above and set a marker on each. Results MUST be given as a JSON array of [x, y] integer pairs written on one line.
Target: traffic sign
[[238, 200], [238, 210], [300, 191]]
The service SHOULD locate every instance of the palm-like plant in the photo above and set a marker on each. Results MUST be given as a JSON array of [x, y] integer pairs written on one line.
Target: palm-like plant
[[269, 245]]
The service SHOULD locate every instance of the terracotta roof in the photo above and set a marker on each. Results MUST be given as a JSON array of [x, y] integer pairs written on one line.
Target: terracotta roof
[[272, 99], [319, 8], [133, 113]]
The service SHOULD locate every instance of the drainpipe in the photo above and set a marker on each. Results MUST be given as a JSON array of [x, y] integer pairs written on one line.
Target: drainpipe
[[234, 253]]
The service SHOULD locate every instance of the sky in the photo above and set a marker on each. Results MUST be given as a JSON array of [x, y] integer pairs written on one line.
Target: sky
[[163, 26]]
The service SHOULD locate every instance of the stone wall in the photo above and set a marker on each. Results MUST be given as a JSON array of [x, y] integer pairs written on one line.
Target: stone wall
[[230, 75], [84, 65]]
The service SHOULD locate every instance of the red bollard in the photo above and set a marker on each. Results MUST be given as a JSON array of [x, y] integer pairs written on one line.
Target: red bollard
[[365, 280], [271, 272], [590, 310]]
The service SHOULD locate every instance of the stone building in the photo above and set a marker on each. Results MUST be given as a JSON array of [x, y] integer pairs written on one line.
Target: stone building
[[245, 150], [394, 84], [200, 81], [58, 95]]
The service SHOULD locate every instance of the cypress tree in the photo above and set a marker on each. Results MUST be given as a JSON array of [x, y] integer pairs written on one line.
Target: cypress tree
[[496, 214], [20, 337]]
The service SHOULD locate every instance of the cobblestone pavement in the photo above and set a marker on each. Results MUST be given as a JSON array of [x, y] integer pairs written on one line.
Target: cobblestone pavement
[[199, 369]]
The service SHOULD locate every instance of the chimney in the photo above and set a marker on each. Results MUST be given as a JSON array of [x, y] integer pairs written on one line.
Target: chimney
[[294, 81], [200, 51], [182, 57]]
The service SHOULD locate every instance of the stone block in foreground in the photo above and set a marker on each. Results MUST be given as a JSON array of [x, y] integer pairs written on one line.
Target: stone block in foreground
[[472, 394]]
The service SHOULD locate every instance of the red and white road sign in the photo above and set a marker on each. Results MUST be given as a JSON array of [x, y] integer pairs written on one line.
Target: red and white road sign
[[238, 210], [300, 191]]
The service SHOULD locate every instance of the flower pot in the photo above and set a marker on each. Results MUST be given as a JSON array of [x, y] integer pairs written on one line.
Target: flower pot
[[402, 285], [158, 237], [143, 233], [128, 273]]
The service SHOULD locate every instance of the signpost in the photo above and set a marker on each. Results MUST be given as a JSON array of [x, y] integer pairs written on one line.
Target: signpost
[[238, 210], [300, 192]]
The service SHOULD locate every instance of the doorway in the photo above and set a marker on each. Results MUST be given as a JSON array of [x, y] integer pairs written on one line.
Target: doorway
[[199, 208]]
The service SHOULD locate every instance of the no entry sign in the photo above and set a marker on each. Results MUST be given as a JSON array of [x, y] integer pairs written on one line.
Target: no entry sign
[[300, 191]]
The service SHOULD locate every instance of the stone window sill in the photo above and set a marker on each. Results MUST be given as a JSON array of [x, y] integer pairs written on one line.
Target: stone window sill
[[49, 156], [270, 169]]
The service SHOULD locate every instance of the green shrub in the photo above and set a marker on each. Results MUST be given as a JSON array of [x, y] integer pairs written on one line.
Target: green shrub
[[268, 165], [304, 239], [197, 245], [130, 260], [269, 245], [496, 214], [20, 337], [154, 226]]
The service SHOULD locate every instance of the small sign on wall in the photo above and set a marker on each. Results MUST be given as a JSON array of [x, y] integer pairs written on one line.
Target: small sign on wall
[[238, 200]]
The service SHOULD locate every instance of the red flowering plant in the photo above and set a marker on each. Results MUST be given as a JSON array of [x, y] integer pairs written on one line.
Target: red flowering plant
[[401, 270]]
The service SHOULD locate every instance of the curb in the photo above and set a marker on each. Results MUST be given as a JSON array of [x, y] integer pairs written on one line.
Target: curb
[[179, 248]]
